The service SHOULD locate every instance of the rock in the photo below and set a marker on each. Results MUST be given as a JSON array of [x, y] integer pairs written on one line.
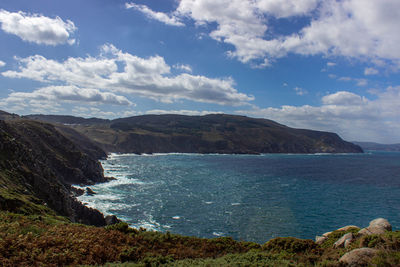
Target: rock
[[341, 242], [90, 192], [348, 227], [377, 226], [76, 192], [112, 219], [381, 223], [358, 257], [109, 178], [320, 239], [87, 215], [327, 234], [348, 242]]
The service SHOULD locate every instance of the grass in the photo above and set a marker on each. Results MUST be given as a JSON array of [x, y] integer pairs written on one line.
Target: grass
[[52, 241], [49, 240]]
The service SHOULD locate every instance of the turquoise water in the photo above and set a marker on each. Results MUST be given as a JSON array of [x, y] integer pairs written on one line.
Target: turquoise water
[[250, 197]]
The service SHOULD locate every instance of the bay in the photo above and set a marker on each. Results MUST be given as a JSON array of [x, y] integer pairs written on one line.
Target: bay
[[250, 197]]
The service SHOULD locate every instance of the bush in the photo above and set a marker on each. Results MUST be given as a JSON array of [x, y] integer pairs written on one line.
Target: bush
[[290, 245]]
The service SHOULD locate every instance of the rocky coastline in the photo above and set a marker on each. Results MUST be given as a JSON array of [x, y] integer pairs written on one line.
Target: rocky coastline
[[40, 163]]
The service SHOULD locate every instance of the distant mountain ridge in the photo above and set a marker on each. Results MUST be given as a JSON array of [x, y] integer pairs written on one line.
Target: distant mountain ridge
[[214, 133], [377, 146]]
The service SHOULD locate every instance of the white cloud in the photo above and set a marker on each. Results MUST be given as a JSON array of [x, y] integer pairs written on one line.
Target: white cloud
[[331, 64], [300, 91], [353, 116], [162, 17], [57, 94], [350, 28], [359, 81], [343, 98], [87, 112], [147, 77], [183, 67], [362, 82], [2, 64], [286, 8], [37, 28], [370, 71]]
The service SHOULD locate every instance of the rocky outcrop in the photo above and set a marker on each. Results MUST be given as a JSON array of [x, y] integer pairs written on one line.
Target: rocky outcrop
[[344, 241], [363, 245], [358, 257], [89, 191], [348, 227], [38, 165], [377, 226], [112, 219]]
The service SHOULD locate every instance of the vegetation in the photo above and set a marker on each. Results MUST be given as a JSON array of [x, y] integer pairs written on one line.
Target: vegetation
[[50, 240], [214, 133], [38, 163]]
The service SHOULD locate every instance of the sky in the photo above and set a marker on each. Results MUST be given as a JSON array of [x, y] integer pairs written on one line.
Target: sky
[[331, 65]]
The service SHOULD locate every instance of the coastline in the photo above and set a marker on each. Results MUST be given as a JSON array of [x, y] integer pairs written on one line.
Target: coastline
[[127, 186]]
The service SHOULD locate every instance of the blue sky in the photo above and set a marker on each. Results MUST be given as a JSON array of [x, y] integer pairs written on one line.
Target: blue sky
[[325, 65]]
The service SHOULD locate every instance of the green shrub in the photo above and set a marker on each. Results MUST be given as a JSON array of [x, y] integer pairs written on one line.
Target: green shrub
[[290, 245], [122, 227]]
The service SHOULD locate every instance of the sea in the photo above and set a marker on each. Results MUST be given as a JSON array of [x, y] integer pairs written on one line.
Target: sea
[[250, 197]]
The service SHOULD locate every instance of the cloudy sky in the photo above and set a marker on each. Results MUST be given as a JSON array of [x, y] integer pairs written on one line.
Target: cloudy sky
[[326, 65]]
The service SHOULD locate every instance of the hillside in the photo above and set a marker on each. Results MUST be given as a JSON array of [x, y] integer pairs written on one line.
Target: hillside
[[38, 164], [215, 133]]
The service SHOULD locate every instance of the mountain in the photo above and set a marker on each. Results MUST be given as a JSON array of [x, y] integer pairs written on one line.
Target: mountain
[[376, 146], [65, 119], [215, 133], [38, 165]]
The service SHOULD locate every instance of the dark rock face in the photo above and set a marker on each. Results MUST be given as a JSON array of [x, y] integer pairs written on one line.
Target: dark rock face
[[89, 191], [38, 162], [111, 219]]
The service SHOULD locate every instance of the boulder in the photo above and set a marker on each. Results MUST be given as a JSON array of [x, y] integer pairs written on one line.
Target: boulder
[[381, 223], [345, 238], [111, 219], [89, 191], [348, 242], [377, 226], [348, 227], [76, 192], [320, 239], [358, 257], [327, 234]]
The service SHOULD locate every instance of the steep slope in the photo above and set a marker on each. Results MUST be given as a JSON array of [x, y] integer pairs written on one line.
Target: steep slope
[[37, 166], [217, 133]]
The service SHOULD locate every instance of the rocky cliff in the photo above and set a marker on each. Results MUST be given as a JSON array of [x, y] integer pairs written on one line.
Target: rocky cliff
[[38, 164]]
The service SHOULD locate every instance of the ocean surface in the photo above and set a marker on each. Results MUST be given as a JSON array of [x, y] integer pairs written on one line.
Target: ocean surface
[[250, 197]]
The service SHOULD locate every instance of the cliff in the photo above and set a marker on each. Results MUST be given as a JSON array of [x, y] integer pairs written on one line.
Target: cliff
[[38, 164], [215, 133]]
